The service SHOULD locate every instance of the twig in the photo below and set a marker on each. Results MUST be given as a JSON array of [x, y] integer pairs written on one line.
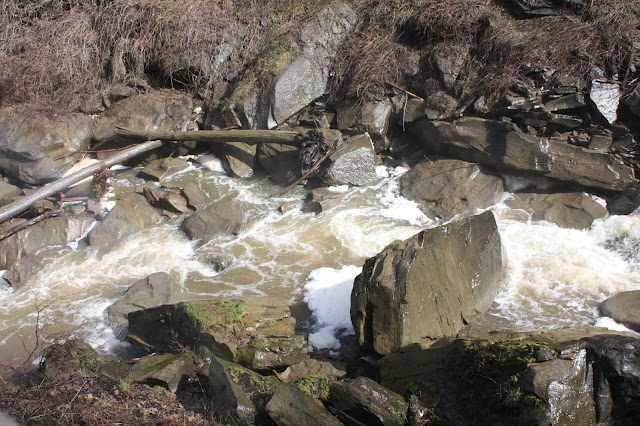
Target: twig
[[277, 375], [404, 90]]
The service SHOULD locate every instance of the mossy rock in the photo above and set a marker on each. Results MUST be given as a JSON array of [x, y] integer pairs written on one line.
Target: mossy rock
[[74, 357], [256, 332]]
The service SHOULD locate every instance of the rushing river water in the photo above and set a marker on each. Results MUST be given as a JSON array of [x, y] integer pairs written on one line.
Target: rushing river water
[[556, 277]]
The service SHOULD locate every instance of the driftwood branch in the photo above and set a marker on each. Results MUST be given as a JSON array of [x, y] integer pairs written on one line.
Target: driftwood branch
[[28, 223], [250, 137], [22, 204]]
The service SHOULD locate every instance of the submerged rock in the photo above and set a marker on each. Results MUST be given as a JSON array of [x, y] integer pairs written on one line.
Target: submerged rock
[[163, 169], [220, 218], [429, 285], [256, 332], [567, 210], [321, 199], [290, 406], [131, 214], [503, 146], [39, 149], [624, 308], [446, 188], [167, 370]]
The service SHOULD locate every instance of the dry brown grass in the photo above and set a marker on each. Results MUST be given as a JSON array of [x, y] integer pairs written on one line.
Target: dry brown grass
[[63, 51]]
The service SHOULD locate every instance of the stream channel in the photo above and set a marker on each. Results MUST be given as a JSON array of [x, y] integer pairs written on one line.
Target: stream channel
[[555, 278]]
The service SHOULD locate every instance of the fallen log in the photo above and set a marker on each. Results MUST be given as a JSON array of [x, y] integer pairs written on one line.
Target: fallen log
[[250, 137], [23, 203]]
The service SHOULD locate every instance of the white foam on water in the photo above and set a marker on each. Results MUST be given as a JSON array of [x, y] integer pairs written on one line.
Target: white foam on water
[[556, 277], [328, 294], [211, 162], [611, 324], [398, 207]]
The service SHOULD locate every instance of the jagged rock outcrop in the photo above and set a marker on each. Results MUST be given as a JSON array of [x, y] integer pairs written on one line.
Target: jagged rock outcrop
[[55, 231], [566, 209], [155, 290], [503, 146], [256, 332], [36, 149], [445, 188], [305, 79], [373, 118], [429, 285], [624, 308], [131, 214]]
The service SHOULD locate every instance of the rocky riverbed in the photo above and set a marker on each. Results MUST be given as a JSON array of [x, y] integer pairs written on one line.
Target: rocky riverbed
[[447, 261]]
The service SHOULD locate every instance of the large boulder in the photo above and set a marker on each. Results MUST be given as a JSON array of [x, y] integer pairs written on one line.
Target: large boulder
[[446, 188], [256, 332], [158, 111], [55, 231], [220, 218], [131, 214], [503, 146], [429, 285], [566, 209], [39, 149], [624, 308], [22, 270], [239, 158], [353, 163], [155, 290], [305, 79]]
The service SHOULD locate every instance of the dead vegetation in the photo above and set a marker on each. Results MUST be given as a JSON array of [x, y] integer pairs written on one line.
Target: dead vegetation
[[64, 51]]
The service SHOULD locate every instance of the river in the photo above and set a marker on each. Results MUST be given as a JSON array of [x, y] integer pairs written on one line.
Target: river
[[555, 277]]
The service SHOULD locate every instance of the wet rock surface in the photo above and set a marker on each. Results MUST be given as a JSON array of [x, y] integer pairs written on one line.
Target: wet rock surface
[[40, 148], [55, 231], [155, 290], [503, 146], [256, 332], [429, 285], [131, 214], [623, 308], [447, 188], [218, 218], [568, 210]]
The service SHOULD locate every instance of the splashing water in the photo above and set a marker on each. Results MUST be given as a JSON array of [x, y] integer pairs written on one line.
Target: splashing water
[[555, 277]]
